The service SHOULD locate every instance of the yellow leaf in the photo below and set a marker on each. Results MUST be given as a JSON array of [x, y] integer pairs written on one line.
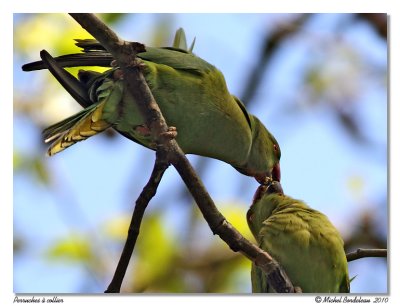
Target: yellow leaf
[[74, 248]]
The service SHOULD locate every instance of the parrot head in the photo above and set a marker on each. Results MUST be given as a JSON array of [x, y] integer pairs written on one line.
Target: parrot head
[[274, 173], [272, 187], [264, 202], [267, 146], [265, 153]]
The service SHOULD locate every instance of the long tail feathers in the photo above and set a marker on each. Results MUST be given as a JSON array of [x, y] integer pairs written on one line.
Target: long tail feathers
[[93, 54], [98, 58], [89, 121], [76, 128]]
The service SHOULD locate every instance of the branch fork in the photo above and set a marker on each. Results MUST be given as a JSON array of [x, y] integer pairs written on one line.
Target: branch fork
[[169, 152]]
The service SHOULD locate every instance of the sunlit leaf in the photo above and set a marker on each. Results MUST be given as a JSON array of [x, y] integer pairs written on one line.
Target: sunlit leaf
[[117, 227], [155, 249], [235, 213], [74, 248], [356, 185], [34, 165], [40, 170], [17, 161]]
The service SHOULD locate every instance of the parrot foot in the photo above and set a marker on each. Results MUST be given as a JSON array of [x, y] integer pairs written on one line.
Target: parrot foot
[[171, 133], [142, 66], [118, 74]]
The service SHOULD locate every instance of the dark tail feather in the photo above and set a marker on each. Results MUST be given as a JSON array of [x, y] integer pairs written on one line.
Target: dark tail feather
[[100, 58], [73, 86], [89, 45], [94, 55]]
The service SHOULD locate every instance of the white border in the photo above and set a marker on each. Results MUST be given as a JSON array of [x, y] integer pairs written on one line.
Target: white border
[[250, 6]]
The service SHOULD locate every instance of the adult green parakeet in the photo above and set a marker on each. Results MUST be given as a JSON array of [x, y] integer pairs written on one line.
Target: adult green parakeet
[[301, 239], [191, 93]]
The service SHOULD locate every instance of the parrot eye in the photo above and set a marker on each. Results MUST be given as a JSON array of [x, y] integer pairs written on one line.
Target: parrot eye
[[277, 151]]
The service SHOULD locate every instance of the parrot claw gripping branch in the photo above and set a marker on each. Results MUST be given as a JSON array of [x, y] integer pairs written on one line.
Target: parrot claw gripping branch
[[105, 95]]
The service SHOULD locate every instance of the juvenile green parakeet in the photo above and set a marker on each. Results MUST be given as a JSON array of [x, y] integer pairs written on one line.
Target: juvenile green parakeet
[[191, 93], [301, 239]]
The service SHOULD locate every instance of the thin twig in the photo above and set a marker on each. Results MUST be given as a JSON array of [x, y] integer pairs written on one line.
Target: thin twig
[[143, 200], [362, 253], [136, 86], [378, 21], [271, 43]]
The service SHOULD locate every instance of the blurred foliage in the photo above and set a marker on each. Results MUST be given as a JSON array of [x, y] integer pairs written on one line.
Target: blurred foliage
[[335, 79], [166, 261], [163, 263], [33, 165], [75, 249], [365, 234], [18, 244]]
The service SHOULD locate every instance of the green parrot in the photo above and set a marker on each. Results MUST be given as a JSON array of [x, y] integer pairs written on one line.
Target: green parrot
[[301, 239], [191, 93]]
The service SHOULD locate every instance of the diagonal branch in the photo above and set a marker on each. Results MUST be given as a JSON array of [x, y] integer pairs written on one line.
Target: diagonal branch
[[136, 86], [362, 253]]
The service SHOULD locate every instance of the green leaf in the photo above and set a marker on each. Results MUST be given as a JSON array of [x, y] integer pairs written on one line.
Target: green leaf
[[155, 250], [74, 248]]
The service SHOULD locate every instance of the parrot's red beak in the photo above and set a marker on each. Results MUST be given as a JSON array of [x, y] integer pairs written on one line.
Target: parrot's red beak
[[264, 178], [272, 187], [276, 173], [261, 190]]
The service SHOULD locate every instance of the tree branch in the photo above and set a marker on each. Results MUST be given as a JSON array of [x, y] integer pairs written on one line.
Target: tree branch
[[377, 20], [143, 200], [362, 253], [136, 86]]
